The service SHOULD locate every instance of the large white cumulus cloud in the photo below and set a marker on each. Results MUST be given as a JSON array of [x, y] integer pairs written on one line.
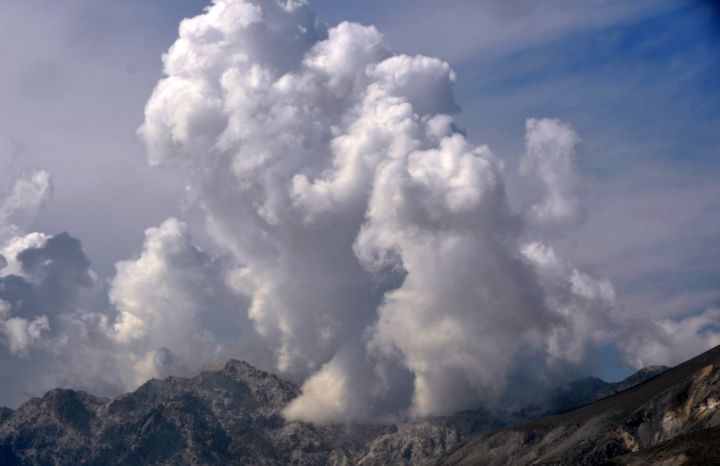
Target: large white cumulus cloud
[[354, 239], [373, 239]]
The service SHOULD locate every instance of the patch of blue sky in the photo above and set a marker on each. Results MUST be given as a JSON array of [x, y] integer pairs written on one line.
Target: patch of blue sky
[[611, 366], [637, 89]]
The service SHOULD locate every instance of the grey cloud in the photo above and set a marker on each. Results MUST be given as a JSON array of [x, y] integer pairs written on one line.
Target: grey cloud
[[59, 270], [53, 276], [49, 338]]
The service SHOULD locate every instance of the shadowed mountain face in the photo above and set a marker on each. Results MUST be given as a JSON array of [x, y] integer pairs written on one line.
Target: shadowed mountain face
[[670, 419], [229, 413]]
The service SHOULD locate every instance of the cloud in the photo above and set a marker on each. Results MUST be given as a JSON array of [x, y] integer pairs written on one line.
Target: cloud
[[158, 292], [51, 338], [46, 274], [671, 341], [493, 27], [175, 307], [29, 193], [636, 232], [170, 312], [550, 160], [373, 240], [22, 333], [59, 270]]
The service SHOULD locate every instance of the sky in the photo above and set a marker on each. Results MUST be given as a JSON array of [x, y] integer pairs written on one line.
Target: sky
[[311, 225]]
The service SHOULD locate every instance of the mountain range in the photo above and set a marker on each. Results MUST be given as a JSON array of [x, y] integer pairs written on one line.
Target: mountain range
[[229, 413]]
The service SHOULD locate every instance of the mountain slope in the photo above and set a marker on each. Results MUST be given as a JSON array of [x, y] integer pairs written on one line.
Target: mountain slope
[[683, 401]]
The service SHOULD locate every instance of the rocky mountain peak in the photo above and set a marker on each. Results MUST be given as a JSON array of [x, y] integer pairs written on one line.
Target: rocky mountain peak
[[644, 374]]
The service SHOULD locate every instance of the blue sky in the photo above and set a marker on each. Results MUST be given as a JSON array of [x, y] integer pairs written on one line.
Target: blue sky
[[639, 83]]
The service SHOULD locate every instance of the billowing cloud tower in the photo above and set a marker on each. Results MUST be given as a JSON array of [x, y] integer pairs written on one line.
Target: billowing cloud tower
[[368, 242]]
